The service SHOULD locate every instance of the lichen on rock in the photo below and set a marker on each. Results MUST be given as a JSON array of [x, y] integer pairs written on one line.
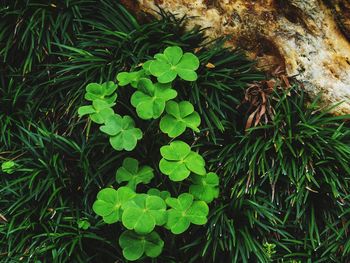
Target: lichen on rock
[[309, 39]]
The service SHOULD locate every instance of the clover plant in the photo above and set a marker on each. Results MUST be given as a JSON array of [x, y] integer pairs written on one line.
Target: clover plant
[[178, 117], [143, 212], [150, 98], [179, 161], [206, 187], [135, 245], [172, 62], [83, 224], [8, 167], [133, 174], [109, 203], [122, 132], [132, 78], [102, 97], [154, 97], [103, 91], [184, 211], [157, 192]]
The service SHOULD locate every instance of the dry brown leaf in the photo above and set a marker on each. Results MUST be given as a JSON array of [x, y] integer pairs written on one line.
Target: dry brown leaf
[[3, 218], [210, 65]]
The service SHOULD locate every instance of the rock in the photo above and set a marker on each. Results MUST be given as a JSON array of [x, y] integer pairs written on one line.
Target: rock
[[308, 38]]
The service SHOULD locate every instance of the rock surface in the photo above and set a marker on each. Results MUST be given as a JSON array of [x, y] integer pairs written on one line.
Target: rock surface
[[310, 39]]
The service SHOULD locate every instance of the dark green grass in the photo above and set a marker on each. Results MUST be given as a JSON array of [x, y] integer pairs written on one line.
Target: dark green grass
[[284, 183], [297, 166], [52, 189]]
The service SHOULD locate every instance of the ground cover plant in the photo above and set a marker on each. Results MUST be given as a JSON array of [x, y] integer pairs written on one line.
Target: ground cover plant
[[281, 190], [140, 213]]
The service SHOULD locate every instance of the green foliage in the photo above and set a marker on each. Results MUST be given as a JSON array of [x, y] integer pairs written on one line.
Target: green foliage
[[63, 160], [143, 213], [26, 42], [132, 78], [206, 187], [133, 174], [134, 245], [8, 167], [172, 62], [179, 161], [163, 194], [109, 203], [289, 152], [185, 211], [269, 249], [95, 91], [99, 111], [150, 98], [56, 177], [267, 194], [102, 98], [122, 132], [178, 117], [83, 224]]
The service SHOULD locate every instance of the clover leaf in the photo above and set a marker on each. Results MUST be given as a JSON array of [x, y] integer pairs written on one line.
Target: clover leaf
[[179, 161], [133, 174], [86, 110], [146, 66], [150, 98], [162, 194], [132, 78], [173, 62], [103, 91], [99, 111], [103, 111], [178, 117], [109, 203], [143, 213], [83, 224], [102, 98], [185, 211], [205, 188], [122, 132], [135, 245], [8, 167]]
